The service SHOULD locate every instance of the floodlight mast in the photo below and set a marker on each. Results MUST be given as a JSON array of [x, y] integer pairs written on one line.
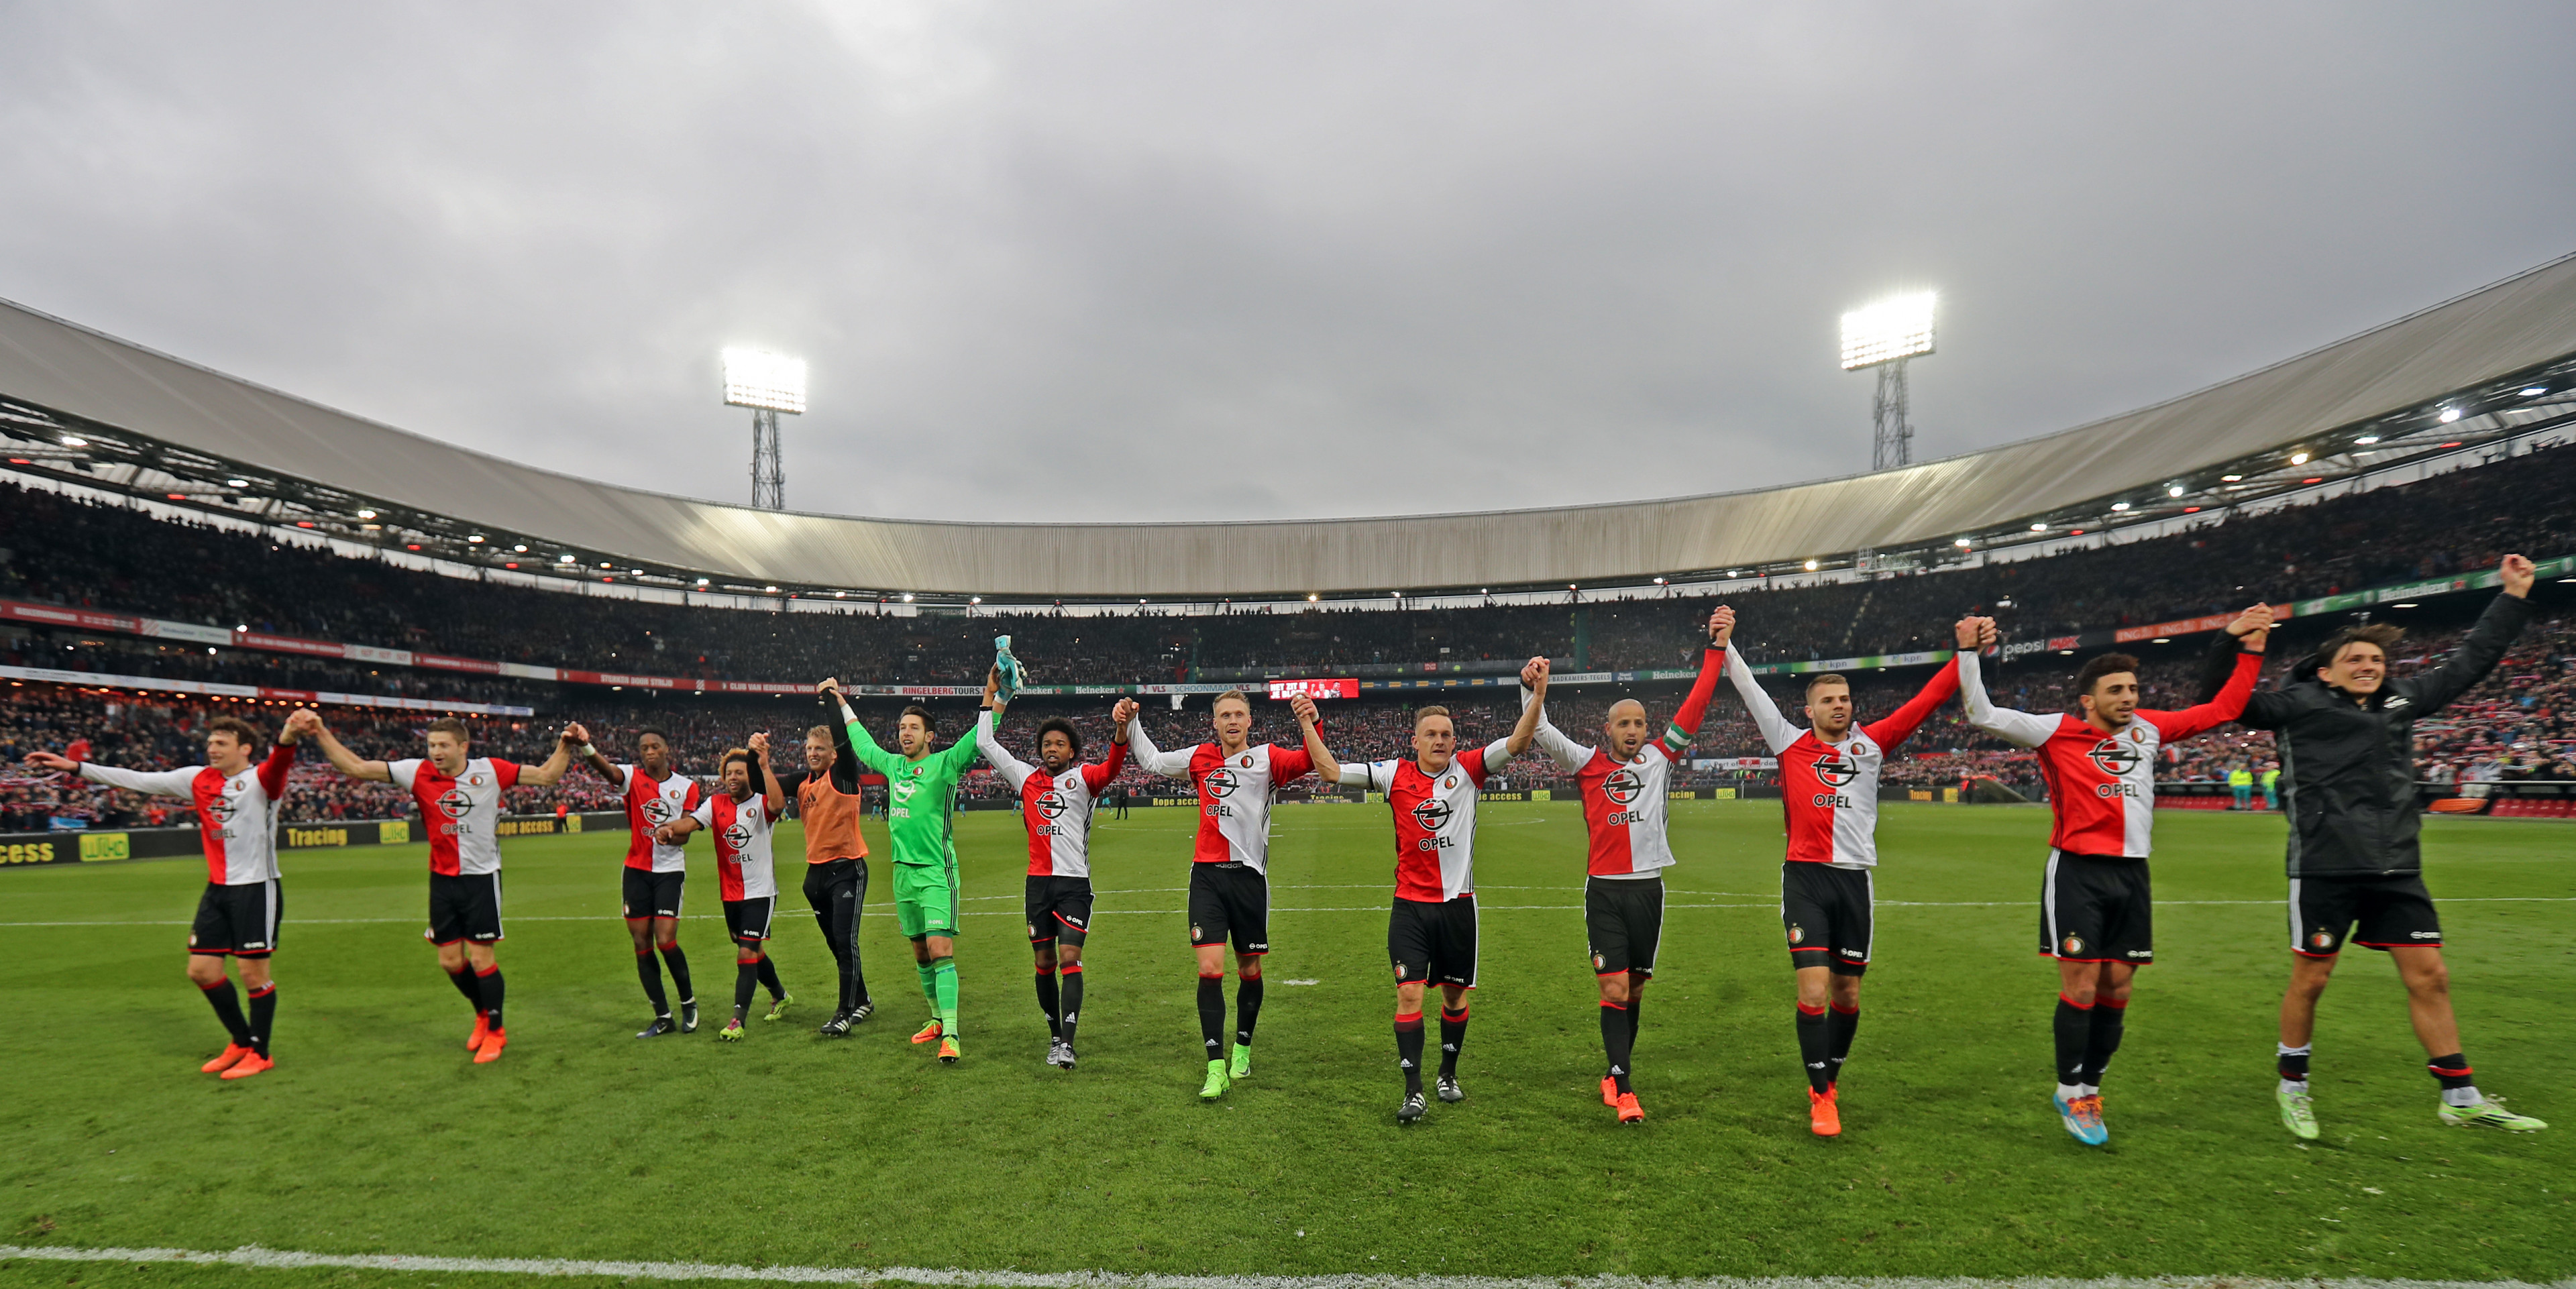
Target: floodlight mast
[[768, 384], [1884, 335]]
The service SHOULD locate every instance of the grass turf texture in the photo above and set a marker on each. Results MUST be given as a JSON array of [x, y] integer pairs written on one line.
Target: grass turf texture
[[376, 1135]]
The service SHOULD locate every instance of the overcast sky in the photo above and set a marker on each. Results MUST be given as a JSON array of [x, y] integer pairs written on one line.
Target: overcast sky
[[1077, 261]]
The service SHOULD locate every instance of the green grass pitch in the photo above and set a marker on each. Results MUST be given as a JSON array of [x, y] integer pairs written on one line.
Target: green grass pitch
[[376, 1135]]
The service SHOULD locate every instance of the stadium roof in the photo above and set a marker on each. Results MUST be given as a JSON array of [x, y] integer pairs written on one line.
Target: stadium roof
[[93, 409]]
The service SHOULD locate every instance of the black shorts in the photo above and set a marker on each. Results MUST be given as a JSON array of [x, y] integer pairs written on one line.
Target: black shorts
[[2097, 908], [237, 920], [2391, 912], [747, 921], [466, 907], [652, 895], [1433, 942], [1827, 915], [1623, 919], [1230, 901], [1059, 908]]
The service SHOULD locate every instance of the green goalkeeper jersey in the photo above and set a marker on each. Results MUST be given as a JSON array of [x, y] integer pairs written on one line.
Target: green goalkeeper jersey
[[919, 794]]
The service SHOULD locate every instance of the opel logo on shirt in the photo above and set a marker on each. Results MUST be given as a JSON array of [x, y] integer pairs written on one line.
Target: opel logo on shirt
[[737, 837], [1623, 785], [2115, 757], [454, 804], [1835, 771], [1221, 781], [1432, 813], [658, 811], [1051, 803], [222, 809]]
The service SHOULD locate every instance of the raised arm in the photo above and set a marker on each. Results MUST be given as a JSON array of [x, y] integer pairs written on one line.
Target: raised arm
[[558, 765], [159, 783], [280, 761], [599, 764], [2249, 632], [773, 794], [2494, 633], [1694, 708], [1777, 732], [1013, 770], [861, 744], [1899, 725], [1174, 764], [1317, 751], [1533, 715], [2021, 729], [1569, 755], [342, 759], [1101, 774]]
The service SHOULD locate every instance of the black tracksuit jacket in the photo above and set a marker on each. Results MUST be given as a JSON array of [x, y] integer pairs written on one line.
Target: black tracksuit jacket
[[2348, 761]]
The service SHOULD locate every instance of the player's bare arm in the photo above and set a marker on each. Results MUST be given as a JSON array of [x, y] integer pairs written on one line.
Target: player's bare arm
[[555, 766], [773, 796], [1525, 730], [992, 688], [307, 721], [1326, 767]]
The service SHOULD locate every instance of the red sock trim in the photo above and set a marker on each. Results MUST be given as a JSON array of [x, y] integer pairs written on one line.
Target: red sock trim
[[2115, 1004], [493, 970], [1446, 1014], [1045, 971], [1805, 1010], [1607, 1005], [1853, 1010], [264, 990], [1408, 1020], [1072, 970], [2074, 1004], [225, 983], [1208, 975], [2460, 1073], [640, 953]]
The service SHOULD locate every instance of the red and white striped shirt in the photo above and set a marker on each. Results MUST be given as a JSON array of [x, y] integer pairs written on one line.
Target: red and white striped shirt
[[1829, 791], [1235, 791], [1055, 808], [2102, 787], [236, 814], [1435, 819], [649, 805], [462, 813], [1623, 801], [742, 831]]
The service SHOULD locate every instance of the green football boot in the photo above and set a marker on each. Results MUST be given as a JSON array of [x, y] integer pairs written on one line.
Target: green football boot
[[2297, 1113], [1242, 1065], [1217, 1082], [2487, 1114]]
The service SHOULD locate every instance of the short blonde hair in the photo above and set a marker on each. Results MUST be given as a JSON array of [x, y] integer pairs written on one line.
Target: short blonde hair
[[1422, 713]]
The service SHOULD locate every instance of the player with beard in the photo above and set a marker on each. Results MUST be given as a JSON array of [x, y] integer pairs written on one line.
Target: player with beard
[[2097, 910], [1431, 931], [836, 863], [237, 916], [459, 797], [1057, 798], [2346, 734], [1229, 867], [740, 818], [921, 792], [1829, 794], [1624, 789], [655, 794]]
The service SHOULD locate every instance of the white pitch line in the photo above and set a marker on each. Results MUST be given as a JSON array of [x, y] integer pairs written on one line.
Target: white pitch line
[[1364, 908], [284, 1260]]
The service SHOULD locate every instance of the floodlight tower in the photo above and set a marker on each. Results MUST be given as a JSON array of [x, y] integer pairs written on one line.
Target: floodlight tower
[[1884, 335], [768, 384]]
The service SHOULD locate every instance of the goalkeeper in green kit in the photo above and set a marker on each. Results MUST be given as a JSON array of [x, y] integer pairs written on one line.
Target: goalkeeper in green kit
[[921, 788]]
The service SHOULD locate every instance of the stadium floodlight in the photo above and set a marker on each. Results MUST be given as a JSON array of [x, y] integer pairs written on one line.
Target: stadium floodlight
[[74, 441], [2298, 458], [1890, 330], [2174, 491], [768, 384], [2534, 391], [1811, 566], [563, 559], [2449, 414], [2367, 439], [236, 483], [2120, 507], [1962, 543], [1884, 335]]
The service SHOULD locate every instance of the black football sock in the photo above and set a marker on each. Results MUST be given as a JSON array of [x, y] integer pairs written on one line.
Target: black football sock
[[2452, 1071], [227, 1004], [1840, 1024], [1453, 1035], [746, 980], [1070, 994], [2074, 1034], [1047, 1001], [1212, 1016], [2110, 1017], [1636, 1013], [488, 985], [769, 977], [650, 972], [263, 1015], [1408, 1050], [1615, 1040], [1247, 1009], [1813, 1048], [463, 979], [2294, 1063], [678, 962]]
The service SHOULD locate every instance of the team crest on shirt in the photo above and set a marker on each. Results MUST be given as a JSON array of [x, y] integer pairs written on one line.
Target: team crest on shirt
[[1432, 813], [1834, 770], [1033, 931], [1450, 782], [1051, 803], [454, 804], [2115, 757], [1221, 781], [1623, 785], [474, 782], [1246, 762], [2071, 945]]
